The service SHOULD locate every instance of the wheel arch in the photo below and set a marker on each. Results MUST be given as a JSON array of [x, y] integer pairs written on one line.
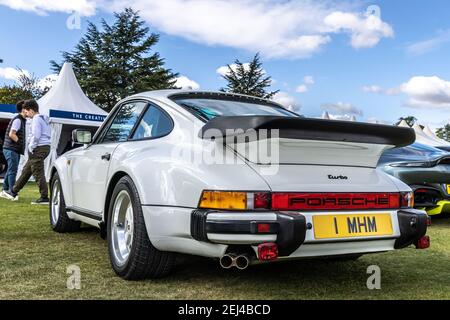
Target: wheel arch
[[111, 184]]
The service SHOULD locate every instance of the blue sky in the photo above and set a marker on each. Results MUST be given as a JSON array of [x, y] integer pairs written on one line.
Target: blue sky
[[393, 65]]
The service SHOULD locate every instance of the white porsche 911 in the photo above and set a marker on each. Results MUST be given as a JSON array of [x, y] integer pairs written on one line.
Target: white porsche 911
[[231, 177]]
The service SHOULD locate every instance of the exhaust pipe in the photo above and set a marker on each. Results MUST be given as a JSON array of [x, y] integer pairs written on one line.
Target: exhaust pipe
[[241, 261], [227, 261]]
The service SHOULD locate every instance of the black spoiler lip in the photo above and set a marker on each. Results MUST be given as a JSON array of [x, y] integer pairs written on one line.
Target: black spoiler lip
[[314, 129]]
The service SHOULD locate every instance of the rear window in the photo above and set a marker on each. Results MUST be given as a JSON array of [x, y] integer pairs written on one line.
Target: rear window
[[207, 109]]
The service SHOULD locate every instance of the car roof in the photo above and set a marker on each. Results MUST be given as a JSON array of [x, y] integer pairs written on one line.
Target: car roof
[[163, 95]]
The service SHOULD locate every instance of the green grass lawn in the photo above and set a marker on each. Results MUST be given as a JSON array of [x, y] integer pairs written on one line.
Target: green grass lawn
[[33, 262]]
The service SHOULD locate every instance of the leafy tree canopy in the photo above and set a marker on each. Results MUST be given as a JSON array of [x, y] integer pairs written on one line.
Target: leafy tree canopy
[[249, 79], [118, 60], [444, 133]]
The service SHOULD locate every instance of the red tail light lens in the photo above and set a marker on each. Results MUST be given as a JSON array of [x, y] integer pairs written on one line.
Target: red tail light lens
[[423, 243], [335, 201], [267, 252], [407, 199], [261, 200]]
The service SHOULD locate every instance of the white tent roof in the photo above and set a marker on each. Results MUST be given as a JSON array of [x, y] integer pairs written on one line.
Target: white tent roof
[[423, 138], [353, 119], [326, 115], [66, 103], [403, 123], [430, 133], [6, 115]]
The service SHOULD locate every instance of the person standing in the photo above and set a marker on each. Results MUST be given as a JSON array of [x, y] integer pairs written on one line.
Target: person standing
[[38, 150], [13, 147]]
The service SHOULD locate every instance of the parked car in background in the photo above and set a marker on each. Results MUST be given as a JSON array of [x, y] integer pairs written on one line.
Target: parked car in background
[[147, 181], [426, 170]]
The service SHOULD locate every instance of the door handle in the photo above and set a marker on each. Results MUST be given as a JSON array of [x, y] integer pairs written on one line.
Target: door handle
[[106, 156]]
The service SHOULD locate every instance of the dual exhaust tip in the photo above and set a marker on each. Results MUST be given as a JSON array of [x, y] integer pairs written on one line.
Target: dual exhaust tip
[[240, 261]]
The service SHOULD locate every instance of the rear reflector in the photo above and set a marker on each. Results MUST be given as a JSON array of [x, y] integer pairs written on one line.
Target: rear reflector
[[263, 228], [335, 201], [267, 251], [423, 243]]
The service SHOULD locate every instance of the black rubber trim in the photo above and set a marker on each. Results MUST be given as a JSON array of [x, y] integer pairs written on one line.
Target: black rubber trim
[[292, 232], [198, 225], [290, 228], [313, 129], [90, 215], [239, 227], [413, 226]]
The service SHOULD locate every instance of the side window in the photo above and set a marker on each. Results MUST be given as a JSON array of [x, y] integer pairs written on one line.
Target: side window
[[124, 122], [154, 123]]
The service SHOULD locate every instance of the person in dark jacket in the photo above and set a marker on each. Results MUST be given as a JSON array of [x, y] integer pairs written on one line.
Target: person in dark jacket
[[13, 147]]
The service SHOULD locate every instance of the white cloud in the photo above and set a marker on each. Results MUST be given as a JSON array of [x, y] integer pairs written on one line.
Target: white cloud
[[342, 108], [286, 101], [429, 45], [184, 82], [343, 117], [425, 92], [277, 29], [48, 81], [12, 73], [366, 30], [301, 88], [380, 90], [377, 121], [304, 87], [373, 89], [223, 70], [42, 7], [308, 80]]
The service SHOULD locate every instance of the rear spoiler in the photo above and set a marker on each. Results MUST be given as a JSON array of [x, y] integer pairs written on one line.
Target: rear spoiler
[[312, 129]]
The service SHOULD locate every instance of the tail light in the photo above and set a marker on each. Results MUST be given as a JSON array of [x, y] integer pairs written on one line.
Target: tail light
[[423, 243], [224, 200], [267, 251], [242, 200], [407, 199]]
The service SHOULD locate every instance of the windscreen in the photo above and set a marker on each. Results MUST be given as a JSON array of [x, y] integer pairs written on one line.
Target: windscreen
[[207, 109]]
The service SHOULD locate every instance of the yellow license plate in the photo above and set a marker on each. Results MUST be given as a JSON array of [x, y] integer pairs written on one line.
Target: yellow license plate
[[448, 189], [355, 225]]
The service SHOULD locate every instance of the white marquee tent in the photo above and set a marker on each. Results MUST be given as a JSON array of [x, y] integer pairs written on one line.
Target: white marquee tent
[[68, 108], [425, 136]]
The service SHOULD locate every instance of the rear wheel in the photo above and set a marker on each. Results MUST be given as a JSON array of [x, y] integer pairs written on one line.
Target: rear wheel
[[59, 220], [131, 253]]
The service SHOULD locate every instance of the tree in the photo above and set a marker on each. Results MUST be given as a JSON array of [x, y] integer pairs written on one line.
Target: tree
[[444, 133], [12, 94], [249, 79], [27, 86], [32, 84], [116, 61], [410, 120]]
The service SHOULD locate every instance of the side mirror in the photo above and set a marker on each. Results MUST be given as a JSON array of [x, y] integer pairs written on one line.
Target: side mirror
[[80, 136]]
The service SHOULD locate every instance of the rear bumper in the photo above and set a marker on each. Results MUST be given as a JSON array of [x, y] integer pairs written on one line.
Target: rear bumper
[[293, 232]]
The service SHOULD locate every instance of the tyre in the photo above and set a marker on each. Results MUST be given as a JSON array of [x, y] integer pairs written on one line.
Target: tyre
[[59, 220], [132, 255]]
